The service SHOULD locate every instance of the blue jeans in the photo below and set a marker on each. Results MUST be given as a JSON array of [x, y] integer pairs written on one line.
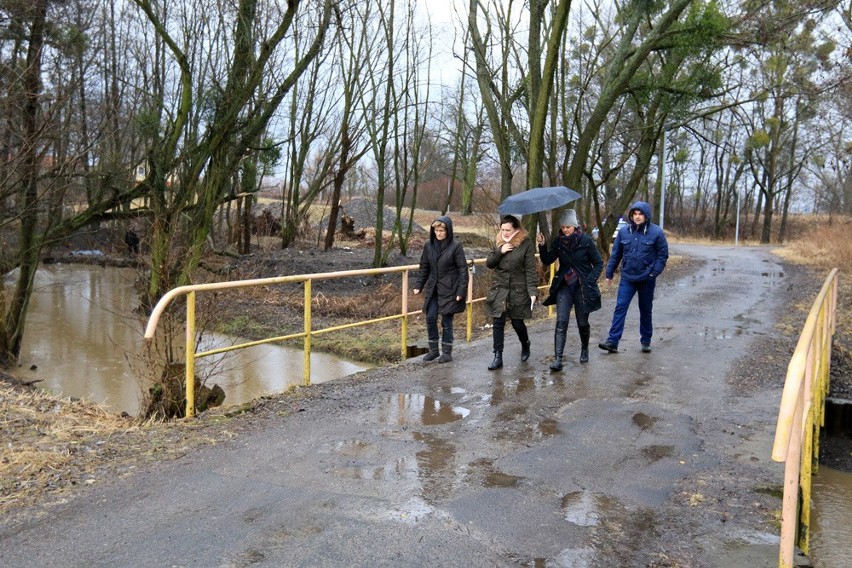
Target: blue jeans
[[432, 322], [626, 291]]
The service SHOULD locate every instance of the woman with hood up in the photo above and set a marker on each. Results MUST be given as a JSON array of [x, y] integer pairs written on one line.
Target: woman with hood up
[[574, 284], [443, 280], [514, 287]]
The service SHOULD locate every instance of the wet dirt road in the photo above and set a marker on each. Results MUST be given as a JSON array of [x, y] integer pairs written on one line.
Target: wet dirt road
[[630, 460]]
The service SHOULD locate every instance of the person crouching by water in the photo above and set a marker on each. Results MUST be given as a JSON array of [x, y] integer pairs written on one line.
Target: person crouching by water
[[514, 287], [443, 280], [574, 284]]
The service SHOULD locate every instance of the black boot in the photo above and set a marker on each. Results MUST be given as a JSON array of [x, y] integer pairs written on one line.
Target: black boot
[[585, 333], [433, 352], [557, 363], [525, 350], [558, 345], [446, 353], [497, 362]]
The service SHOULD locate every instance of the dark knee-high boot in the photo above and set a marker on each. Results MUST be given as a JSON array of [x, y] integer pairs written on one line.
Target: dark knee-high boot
[[585, 332], [558, 345]]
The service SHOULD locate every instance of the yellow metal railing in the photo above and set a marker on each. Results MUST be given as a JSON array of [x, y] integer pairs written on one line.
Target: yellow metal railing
[[800, 418], [306, 280]]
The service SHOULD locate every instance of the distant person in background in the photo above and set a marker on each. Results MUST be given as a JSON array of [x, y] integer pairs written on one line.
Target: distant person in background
[[642, 249], [575, 284], [514, 288], [131, 239], [443, 280]]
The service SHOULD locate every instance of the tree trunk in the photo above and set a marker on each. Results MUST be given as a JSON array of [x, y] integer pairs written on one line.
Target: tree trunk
[[15, 307]]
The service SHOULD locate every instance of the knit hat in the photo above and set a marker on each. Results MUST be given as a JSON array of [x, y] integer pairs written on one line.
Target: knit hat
[[569, 219]]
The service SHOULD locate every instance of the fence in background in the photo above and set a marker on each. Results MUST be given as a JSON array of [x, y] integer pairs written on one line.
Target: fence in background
[[308, 332]]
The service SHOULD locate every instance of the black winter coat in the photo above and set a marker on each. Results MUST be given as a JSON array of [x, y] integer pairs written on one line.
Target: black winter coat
[[587, 263], [443, 271]]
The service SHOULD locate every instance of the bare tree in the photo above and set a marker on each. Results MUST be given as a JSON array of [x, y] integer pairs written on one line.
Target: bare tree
[[191, 162]]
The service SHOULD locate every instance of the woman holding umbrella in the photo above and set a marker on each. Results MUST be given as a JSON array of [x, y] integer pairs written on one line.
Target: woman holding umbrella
[[514, 287], [574, 284]]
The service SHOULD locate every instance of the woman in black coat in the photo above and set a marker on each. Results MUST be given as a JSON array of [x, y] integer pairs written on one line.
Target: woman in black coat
[[575, 283], [443, 281]]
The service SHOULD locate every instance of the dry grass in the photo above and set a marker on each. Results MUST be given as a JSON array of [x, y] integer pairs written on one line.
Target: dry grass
[[64, 429], [51, 444], [825, 246], [822, 246]]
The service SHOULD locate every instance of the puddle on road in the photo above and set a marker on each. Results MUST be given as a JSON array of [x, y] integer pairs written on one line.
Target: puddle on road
[[492, 477], [416, 410], [403, 468], [499, 479], [773, 279], [435, 467], [656, 453], [644, 421], [345, 447], [579, 557], [712, 333], [587, 509]]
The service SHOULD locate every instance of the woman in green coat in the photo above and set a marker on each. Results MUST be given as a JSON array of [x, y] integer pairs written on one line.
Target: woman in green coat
[[514, 288]]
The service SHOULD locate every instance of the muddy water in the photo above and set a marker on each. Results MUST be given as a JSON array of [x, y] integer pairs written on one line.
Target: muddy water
[[82, 340], [831, 519]]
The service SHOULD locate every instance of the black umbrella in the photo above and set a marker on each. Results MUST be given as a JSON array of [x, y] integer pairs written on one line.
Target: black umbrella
[[537, 199]]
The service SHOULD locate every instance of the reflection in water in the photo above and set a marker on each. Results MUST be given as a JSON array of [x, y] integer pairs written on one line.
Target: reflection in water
[[587, 509], [81, 331], [435, 463], [416, 409], [831, 511]]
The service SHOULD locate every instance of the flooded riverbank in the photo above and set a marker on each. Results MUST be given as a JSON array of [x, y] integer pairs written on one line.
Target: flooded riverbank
[[82, 339]]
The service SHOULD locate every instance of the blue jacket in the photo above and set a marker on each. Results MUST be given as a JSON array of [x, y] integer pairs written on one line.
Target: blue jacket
[[642, 249]]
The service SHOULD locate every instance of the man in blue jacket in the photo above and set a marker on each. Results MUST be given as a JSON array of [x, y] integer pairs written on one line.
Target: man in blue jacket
[[642, 250]]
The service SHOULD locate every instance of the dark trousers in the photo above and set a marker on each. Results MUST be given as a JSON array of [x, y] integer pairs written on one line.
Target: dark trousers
[[432, 322], [566, 298], [498, 331], [626, 291]]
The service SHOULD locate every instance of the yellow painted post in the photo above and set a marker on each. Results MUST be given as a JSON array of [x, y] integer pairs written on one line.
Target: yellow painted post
[[552, 274], [404, 330], [469, 310], [190, 355], [790, 498], [307, 343]]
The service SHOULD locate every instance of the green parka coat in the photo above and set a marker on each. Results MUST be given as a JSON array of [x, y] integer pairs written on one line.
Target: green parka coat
[[515, 278]]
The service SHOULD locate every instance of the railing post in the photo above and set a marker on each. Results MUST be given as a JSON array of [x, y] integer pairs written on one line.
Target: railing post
[[790, 498], [404, 330], [307, 341], [552, 274], [189, 365], [471, 269]]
